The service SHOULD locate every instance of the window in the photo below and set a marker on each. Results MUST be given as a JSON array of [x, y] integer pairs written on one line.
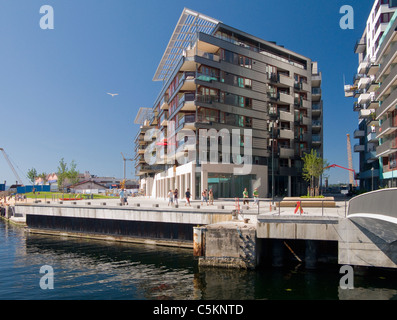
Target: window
[[234, 58]]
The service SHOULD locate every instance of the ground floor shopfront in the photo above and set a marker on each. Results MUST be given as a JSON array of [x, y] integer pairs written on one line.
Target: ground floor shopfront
[[223, 180]]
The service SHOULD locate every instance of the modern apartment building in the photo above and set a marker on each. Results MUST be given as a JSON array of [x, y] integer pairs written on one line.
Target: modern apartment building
[[374, 87], [228, 85]]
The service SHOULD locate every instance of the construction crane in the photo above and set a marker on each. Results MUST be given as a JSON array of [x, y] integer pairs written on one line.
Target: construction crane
[[19, 180], [351, 171], [125, 160], [350, 161]]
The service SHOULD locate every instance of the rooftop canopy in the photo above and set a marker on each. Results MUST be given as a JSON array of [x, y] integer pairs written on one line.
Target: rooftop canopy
[[189, 24]]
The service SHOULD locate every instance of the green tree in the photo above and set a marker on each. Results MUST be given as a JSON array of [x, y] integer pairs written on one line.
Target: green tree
[[43, 176], [62, 173], [32, 175], [67, 174], [72, 173], [313, 168]]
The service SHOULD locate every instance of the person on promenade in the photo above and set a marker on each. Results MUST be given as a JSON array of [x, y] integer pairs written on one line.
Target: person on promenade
[[170, 198], [122, 196], [204, 197], [176, 196], [245, 196], [211, 197], [256, 196], [187, 194]]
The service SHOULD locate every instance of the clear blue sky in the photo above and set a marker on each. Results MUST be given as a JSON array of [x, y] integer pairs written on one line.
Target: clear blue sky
[[53, 83]]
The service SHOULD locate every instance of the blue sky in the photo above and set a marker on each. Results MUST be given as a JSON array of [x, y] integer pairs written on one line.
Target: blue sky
[[53, 83]]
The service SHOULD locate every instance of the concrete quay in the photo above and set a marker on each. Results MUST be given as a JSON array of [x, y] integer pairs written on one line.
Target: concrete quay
[[218, 235]]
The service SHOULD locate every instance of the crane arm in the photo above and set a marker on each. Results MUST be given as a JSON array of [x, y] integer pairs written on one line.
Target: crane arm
[[11, 166], [335, 165]]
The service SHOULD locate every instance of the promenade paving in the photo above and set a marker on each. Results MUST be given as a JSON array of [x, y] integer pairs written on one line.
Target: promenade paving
[[223, 205]]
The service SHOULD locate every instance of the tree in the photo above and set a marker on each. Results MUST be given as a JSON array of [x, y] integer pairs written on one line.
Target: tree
[[313, 168], [32, 175], [62, 173], [72, 173], [43, 177], [66, 174]]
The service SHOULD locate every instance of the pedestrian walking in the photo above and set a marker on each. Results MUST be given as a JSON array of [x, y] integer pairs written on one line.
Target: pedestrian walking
[[204, 197], [256, 196], [122, 197], [187, 195], [170, 198], [176, 196], [245, 196], [211, 197]]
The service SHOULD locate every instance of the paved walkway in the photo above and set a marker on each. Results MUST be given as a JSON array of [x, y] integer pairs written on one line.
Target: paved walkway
[[219, 205]]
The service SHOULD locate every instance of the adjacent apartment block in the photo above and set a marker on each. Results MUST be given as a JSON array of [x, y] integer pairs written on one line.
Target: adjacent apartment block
[[223, 81], [374, 86]]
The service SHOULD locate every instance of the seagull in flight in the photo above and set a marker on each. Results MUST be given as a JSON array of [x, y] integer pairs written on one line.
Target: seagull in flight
[[113, 94]]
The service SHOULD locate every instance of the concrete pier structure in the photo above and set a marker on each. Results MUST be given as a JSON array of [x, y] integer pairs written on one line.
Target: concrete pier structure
[[349, 233]]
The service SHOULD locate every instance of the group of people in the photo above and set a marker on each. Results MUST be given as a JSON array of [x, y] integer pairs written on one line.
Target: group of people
[[255, 196], [207, 197], [173, 197]]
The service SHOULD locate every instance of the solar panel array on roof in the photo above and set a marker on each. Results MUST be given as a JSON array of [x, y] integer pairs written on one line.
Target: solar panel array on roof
[[184, 35]]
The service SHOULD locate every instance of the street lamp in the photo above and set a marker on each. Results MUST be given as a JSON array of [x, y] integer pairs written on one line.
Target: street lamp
[[372, 172], [272, 122]]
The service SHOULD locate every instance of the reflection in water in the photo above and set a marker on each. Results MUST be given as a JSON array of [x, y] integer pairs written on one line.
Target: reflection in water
[[88, 269]]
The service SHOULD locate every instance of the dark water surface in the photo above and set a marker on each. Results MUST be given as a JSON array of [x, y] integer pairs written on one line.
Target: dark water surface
[[100, 270]]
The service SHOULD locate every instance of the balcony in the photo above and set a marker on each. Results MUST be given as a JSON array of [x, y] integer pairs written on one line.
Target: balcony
[[387, 127], [286, 152], [388, 61], [364, 97], [359, 134], [164, 103], [316, 125], [286, 116], [388, 84], [286, 134], [285, 98], [362, 84], [365, 113], [389, 103], [316, 94], [359, 148], [187, 122], [360, 46], [372, 69], [187, 81], [362, 68], [387, 147], [316, 80], [316, 139], [186, 102], [285, 80]]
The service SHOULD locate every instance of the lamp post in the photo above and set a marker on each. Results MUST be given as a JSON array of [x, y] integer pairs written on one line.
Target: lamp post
[[272, 122]]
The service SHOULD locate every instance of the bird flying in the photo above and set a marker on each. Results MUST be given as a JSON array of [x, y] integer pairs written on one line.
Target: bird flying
[[113, 94]]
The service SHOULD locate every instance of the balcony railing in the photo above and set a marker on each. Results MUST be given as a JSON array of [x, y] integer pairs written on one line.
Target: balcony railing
[[388, 146]]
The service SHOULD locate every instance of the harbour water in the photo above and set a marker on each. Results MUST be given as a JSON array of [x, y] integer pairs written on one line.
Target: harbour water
[[100, 270]]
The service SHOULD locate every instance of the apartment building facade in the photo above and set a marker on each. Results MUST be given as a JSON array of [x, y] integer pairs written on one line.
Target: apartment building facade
[[373, 86], [218, 79]]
